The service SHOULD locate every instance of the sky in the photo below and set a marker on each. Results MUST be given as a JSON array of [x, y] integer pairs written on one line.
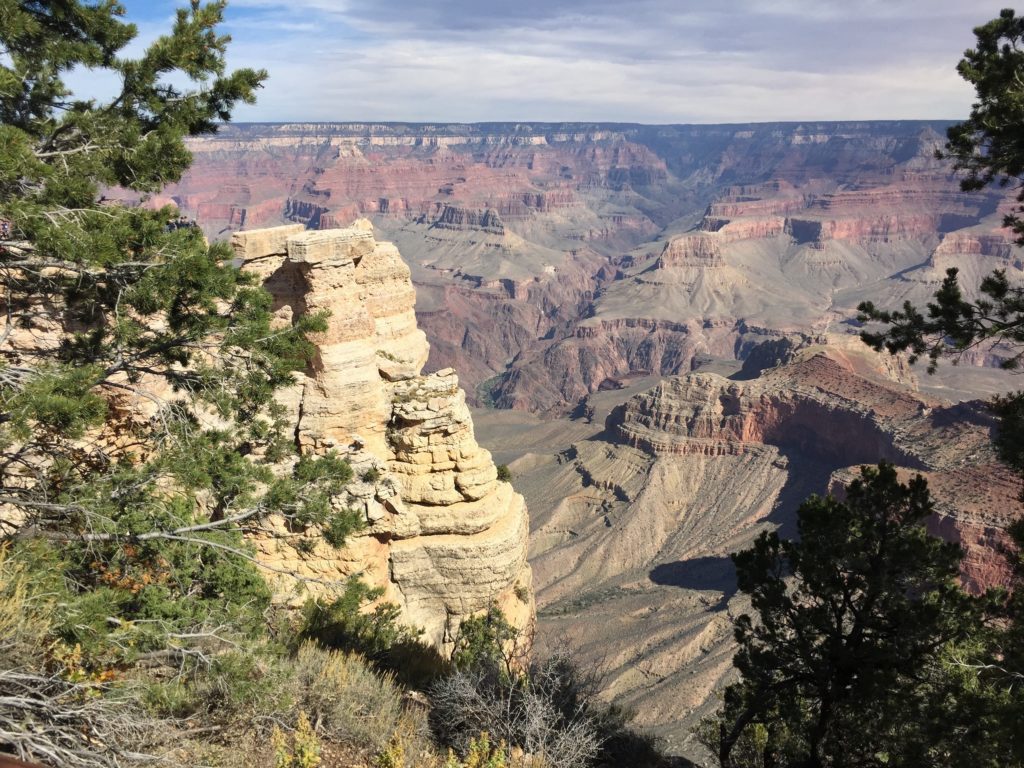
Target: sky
[[647, 61]]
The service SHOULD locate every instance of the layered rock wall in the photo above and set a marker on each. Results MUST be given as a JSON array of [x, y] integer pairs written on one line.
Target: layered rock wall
[[444, 538], [520, 234], [840, 408]]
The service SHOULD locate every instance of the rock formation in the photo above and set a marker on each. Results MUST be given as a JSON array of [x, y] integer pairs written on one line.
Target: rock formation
[[844, 410], [566, 268], [532, 245], [444, 537], [633, 523]]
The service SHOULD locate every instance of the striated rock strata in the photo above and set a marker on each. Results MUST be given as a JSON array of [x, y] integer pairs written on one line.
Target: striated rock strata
[[833, 406], [536, 248], [444, 537], [633, 523]]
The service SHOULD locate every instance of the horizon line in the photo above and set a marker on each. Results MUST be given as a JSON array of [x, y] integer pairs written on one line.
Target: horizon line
[[526, 123]]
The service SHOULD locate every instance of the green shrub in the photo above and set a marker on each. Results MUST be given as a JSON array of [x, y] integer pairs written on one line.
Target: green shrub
[[504, 473], [233, 687], [389, 645], [342, 624], [487, 639], [339, 525], [347, 699], [305, 497], [302, 750], [341, 694], [25, 622]]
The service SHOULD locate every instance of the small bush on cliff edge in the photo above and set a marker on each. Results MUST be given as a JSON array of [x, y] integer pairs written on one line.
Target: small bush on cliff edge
[[345, 624], [547, 708]]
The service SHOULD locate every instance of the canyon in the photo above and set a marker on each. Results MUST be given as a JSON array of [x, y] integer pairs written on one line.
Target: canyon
[[549, 259], [636, 510], [656, 330]]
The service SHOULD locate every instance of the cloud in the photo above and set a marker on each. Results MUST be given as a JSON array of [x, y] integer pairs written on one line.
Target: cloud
[[645, 61]]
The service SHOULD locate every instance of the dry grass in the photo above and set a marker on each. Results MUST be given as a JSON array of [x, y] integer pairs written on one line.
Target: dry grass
[[348, 702]]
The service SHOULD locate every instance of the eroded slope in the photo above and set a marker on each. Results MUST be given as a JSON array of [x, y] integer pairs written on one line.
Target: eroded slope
[[633, 522]]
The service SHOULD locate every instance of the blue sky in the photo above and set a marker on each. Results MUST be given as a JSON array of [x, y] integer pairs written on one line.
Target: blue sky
[[588, 60]]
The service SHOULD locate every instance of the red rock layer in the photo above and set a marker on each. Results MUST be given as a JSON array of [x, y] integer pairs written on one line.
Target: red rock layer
[[828, 406]]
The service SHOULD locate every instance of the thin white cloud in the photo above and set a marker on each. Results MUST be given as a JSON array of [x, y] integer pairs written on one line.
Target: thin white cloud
[[648, 61]]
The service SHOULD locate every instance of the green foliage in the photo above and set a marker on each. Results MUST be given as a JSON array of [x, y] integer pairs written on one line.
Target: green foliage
[[485, 640], [372, 475], [344, 625], [303, 751], [349, 624], [138, 430], [985, 671], [504, 473], [58, 398], [842, 665], [338, 526], [987, 145], [482, 754], [989, 670], [61, 148], [305, 498], [953, 323], [1009, 440], [139, 435], [51, 701]]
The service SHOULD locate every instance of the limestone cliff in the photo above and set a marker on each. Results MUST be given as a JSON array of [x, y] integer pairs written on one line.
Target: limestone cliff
[[444, 537]]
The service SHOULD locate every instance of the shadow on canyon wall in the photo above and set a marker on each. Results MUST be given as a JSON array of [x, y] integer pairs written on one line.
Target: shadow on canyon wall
[[716, 572]]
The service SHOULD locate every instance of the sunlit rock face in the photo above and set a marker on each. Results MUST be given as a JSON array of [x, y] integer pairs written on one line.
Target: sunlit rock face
[[637, 510], [444, 537], [845, 408], [550, 258]]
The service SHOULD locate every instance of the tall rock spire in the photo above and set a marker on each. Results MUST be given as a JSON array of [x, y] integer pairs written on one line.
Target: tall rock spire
[[444, 537]]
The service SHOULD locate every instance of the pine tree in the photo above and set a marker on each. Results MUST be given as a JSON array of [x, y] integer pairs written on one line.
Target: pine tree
[[989, 147], [842, 665], [138, 427]]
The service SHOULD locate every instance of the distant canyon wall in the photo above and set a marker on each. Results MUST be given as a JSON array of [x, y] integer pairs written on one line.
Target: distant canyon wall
[[553, 258]]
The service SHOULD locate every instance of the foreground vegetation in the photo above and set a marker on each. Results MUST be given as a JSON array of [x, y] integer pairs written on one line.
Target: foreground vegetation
[[863, 650], [140, 444]]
